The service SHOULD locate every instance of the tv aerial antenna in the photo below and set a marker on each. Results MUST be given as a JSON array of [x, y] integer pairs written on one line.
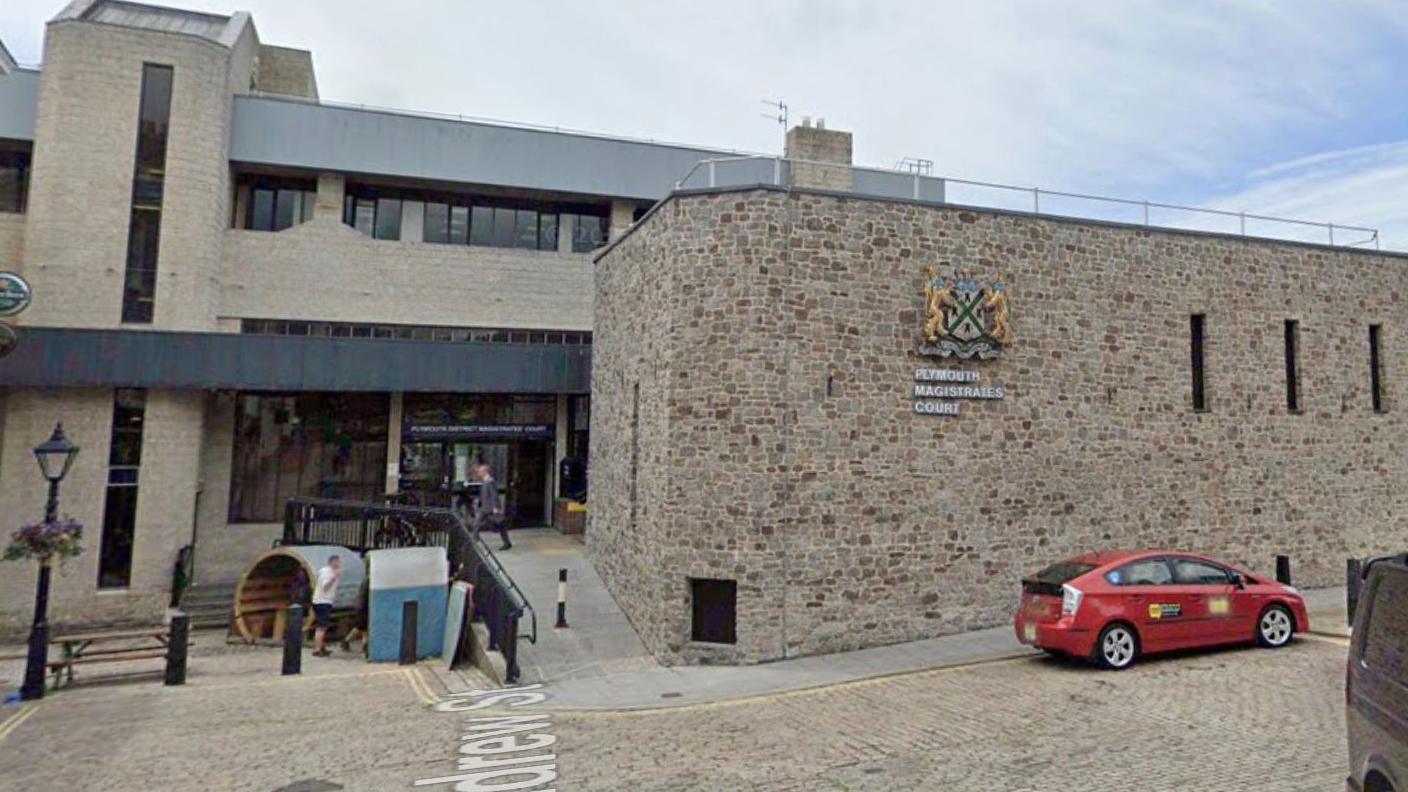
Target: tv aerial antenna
[[777, 112]]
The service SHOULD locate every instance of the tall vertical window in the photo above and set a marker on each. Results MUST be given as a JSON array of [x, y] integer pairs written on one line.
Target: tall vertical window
[[1196, 324], [1376, 388], [129, 410], [635, 448], [14, 179], [144, 230], [1292, 366]]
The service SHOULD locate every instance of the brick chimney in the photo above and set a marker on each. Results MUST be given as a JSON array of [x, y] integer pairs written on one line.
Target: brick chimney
[[821, 157]]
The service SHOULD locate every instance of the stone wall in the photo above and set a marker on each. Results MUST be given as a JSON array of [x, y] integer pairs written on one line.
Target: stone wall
[[775, 339]]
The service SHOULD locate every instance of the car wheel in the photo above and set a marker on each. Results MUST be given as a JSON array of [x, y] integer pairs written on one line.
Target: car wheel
[[1275, 627], [1117, 647]]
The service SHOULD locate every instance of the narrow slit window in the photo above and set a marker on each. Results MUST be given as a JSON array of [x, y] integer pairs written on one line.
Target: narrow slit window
[[1292, 366], [1376, 388], [1197, 323], [635, 447]]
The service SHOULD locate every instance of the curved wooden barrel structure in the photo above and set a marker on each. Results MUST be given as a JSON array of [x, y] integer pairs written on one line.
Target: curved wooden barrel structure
[[265, 591]]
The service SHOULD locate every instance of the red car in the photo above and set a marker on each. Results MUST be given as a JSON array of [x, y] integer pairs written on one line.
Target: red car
[[1113, 607]]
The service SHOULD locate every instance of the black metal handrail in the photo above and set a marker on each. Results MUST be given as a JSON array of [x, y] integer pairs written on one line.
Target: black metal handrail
[[498, 601]]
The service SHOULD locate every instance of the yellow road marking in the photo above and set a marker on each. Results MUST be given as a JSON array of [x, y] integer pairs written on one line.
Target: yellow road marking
[[420, 686], [1329, 639], [13, 722]]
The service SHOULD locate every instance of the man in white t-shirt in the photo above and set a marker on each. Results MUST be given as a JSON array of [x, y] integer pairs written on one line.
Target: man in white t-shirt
[[324, 594]]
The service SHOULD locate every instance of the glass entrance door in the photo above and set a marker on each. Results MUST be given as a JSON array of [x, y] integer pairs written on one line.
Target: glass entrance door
[[433, 473]]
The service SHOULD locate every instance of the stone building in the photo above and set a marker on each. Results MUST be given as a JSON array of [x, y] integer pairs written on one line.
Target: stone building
[[244, 293], [785, 449]]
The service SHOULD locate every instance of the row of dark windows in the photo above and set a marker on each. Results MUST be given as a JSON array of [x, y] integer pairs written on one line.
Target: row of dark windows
[[290, 327], [476, 220], [148, 181], [1197, 330], [14, 180], [274, 204]]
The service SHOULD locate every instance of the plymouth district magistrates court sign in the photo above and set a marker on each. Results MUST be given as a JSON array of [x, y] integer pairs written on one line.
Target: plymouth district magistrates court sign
[[964, 318]]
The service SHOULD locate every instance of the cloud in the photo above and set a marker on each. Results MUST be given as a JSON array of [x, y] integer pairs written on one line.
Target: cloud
[[1171, 101], [1364, 186]]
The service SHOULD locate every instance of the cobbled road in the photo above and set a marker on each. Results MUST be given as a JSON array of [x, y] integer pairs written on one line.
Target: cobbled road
[[1237, 719], [1240, 719]]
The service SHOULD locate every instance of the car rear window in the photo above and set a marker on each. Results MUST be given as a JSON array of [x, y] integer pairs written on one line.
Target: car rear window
[[1049, 580], [1386, 636]]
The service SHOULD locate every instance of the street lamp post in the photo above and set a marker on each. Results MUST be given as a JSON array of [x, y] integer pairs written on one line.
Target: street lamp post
[[55, 457]]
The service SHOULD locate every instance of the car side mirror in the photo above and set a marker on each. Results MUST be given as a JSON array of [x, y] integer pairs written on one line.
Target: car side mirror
[[1238, 581]]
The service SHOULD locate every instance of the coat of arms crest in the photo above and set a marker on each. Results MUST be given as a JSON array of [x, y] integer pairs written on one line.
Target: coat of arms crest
[[964, 317]]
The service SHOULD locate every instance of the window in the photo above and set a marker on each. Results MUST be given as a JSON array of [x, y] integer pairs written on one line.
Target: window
[[715, 606], [388, 218], [120, 506], [588, 231], [1152, 572], [275, 204], [144, 230], [437, 223], [329, 445], [1292, 371], [1190, 572], [635, 448], [14, 180], [1386, 635], [463, 219], [1376, 393], [1196, 323]]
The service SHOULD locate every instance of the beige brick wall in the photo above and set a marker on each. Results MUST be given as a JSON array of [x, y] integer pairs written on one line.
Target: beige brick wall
[[165, 501], [329, 271], [80, 194], [11, 241], [849, 521]]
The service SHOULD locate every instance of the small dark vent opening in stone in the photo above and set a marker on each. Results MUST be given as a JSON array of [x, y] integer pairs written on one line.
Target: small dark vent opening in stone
[[715, 604]]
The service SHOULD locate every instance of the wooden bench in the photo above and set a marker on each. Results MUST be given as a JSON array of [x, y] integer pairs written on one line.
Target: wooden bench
[[107, 647]]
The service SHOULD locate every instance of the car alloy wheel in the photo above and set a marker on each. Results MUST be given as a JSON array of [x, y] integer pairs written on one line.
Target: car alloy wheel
[[1117, 646], [1275, 627]]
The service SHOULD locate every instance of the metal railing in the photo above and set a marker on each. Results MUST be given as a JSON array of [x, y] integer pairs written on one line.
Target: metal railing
[[361, 526], [913, 185]]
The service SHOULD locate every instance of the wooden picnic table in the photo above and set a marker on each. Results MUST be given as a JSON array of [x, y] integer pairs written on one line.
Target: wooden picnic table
[[148, 643]]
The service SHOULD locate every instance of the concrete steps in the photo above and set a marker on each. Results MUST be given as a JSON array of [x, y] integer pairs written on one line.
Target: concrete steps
[[209, 604]]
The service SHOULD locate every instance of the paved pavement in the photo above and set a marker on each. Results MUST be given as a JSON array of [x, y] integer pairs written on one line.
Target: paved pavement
[[599, 641]]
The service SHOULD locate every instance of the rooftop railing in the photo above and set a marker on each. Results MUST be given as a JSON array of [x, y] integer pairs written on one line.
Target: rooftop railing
[[908, 185]]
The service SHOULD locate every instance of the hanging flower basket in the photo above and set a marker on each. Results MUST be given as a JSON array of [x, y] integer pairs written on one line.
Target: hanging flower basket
[[44, 541]]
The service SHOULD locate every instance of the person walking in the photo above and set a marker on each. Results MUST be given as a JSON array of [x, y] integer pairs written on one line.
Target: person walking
[[324, 594], [489, 508]]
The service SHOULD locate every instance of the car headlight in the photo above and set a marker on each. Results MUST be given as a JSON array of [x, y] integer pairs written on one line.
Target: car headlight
[[1290, 588], [1070, 600]]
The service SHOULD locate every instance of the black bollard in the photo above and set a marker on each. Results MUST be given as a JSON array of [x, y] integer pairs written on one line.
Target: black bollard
[[177, 642], [293, 641], [410, 612], [561, 599], [1283, 569], [1353, 582]]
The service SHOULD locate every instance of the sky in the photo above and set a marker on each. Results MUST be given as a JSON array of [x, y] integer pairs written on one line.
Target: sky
[[1288, 108]]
